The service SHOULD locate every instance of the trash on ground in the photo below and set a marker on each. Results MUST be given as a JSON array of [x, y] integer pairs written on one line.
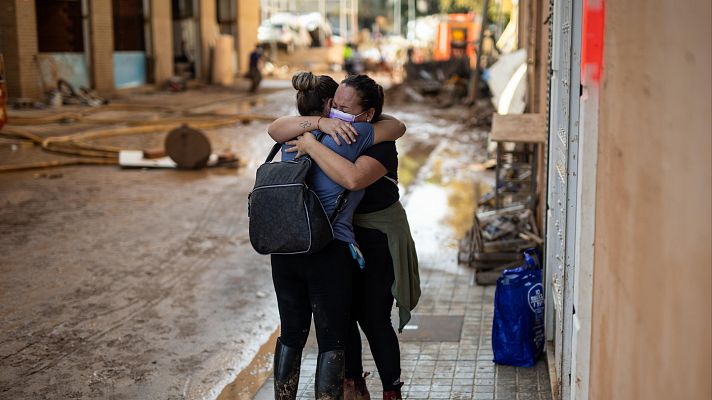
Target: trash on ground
[[188, 147], [65, 94], [136, 159], [507, 82]]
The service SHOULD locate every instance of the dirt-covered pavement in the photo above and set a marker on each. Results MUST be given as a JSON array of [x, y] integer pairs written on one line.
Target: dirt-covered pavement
[[142, 284]]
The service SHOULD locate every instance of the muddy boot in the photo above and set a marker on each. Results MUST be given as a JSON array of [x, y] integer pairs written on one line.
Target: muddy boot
[[355, 389], [393, 394], [329, 383], [287, 362]]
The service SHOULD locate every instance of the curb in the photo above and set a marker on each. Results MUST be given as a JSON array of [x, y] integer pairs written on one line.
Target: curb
[[249, 381]]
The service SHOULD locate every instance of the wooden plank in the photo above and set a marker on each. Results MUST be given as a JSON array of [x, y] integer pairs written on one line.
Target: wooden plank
[[524, 128]]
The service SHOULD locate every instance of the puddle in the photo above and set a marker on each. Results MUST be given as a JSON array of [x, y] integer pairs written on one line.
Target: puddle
[[276, 105], [442, 177], [230, 107], [410, 162]]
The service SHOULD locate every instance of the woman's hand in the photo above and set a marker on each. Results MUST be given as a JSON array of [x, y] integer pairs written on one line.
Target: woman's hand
[[335, 127], [302, 144]]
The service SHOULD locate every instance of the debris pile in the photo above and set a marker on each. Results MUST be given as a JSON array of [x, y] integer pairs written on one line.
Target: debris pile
[[504, 223], [65, 94], [496, 241], [444, 81]]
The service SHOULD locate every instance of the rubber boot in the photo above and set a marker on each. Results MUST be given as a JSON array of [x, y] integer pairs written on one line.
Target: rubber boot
[[393, 394], [355, 389], [287, 362], [329, 383]]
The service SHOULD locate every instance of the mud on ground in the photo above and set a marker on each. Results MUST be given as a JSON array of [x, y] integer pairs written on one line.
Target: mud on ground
[[125, 284]]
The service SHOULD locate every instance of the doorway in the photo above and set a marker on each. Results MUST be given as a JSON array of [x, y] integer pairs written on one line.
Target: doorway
[[62, 40], [186, 49], [129, 43]]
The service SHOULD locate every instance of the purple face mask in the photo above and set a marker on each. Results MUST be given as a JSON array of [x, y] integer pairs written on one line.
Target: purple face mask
[[344, 116]]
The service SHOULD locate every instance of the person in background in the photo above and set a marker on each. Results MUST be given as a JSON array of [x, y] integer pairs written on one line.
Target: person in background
[[348, 58], [255, 72]]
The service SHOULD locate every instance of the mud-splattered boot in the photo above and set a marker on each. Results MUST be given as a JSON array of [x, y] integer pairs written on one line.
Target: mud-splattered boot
[[329, 383], [287, 362], [393, 394], [355, 389]]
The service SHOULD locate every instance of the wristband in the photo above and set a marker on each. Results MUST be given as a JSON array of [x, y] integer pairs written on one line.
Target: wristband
[[317, 123]]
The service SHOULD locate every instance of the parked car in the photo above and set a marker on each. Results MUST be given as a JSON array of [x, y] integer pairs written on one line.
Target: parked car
[[285, 30], [318, 27]]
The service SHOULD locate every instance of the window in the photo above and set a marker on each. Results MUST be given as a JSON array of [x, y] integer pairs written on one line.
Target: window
[[226, 15], [128, 25], [59, 26]]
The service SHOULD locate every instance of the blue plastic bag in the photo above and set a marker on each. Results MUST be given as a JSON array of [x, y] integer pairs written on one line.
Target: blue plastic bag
[[518, 327]]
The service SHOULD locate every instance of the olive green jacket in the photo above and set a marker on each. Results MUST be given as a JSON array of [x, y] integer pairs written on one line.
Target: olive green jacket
[[393, 222]]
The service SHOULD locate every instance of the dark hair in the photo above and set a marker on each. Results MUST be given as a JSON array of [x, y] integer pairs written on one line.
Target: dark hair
[[371, 93], [313, 91]]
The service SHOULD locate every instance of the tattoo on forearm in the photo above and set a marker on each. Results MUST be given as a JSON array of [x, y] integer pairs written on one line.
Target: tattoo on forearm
[[305, 124]]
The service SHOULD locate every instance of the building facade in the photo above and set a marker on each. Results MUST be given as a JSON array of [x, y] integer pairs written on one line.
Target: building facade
[[626, 87], [114, 44]]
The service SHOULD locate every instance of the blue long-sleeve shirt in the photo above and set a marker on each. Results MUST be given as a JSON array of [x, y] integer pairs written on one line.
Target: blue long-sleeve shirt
[[328, 191]]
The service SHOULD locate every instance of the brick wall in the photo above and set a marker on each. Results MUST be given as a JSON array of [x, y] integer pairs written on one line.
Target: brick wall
[[101, 61], [18, 43]]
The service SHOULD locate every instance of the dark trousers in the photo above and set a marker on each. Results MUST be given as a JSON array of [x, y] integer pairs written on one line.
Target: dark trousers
[[255, 76], [318, 284], [372, 305]]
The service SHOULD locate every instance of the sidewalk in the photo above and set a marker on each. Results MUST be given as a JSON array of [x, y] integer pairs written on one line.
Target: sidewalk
[[435, 366]]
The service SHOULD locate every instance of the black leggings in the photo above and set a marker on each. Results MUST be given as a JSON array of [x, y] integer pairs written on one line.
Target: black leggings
[[372, 305], [318, 284]]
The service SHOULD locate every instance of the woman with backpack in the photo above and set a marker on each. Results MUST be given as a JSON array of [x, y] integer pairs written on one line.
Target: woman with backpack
[[383, 235], [319, 283]]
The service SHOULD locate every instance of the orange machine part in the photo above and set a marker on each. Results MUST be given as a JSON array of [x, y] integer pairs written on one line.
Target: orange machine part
[[457, 34]]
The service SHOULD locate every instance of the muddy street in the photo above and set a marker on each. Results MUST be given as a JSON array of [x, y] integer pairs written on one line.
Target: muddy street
[[130, 283]]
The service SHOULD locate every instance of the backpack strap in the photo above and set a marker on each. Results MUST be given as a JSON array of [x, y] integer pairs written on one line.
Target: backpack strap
[[273, 152], [340, 201], [277, 146]]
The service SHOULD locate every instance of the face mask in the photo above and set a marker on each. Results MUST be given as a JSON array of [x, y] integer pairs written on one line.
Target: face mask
[[344, 116]]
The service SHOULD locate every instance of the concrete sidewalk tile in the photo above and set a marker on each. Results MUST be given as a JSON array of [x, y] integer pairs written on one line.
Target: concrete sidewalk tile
[[484, 389], [483, 396], [442, 381], [461, 381], [448, 370], [526, 395]]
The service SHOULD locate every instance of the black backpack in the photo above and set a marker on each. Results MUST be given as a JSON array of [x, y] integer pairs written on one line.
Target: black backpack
[[286, 217]]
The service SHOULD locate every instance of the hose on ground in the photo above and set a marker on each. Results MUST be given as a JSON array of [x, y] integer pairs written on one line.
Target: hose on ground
[[78, 144]]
